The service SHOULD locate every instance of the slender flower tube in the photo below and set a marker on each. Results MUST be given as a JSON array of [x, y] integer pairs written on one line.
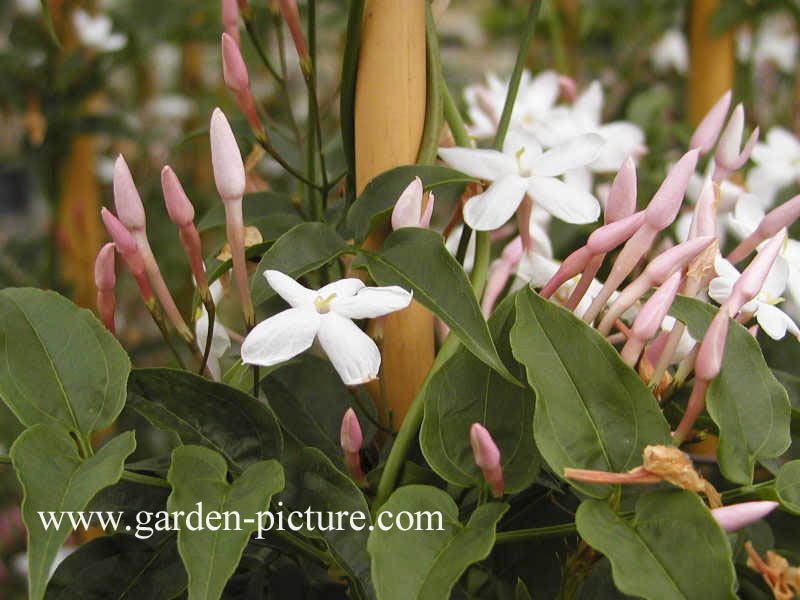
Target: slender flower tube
[[181, 212], [230, 19], [706, 133], [487, 457], [131, 214], [659, 214], [498, 278], [648, 321], [728, 158], [408, 211], [707, 366], [351, 438], [775, 220], [292, 18], [620, 205], [230, 179], [234, 72], [659, 269], [753, 277], [736, 516], [104, 279], [126, 246]]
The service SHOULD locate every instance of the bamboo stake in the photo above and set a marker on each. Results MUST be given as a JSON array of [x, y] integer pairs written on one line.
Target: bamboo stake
[[710, 60], [389, 119]]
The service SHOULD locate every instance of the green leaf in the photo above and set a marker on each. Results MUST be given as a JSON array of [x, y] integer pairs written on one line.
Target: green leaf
[[309, 399], [55, 478], [128, 499], [120, 567], [416, 259], [271, 212], [379, 196], [303, 248], [787, 485], [239, 427], [58, 364], [211, 550], [521, 591], [747, 403], [312, 482], [464, 391], [592, 410], [672, 550], [424, 565]]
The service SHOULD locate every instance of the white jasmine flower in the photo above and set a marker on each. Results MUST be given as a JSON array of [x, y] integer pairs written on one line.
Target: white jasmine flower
[[772, 320], [324, 314], [776, 41], [95, 32], [523, 168], [220, 341], [778, 164], [671, 52]]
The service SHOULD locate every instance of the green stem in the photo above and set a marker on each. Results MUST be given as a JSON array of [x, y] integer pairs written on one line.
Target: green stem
[[481, 264], [162, 327], [211, 310], [556, 38], [516, 75], [310, 77], [463, 243], [749, 490], [538, 533], [145, 479], [277, 21], [348, 94], [304, 547], [434, 110], [264, 143], [453, 117], [249, 25]]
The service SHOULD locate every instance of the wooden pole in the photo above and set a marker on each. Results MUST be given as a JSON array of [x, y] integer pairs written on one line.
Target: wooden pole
[[710, 60], [389, 118]]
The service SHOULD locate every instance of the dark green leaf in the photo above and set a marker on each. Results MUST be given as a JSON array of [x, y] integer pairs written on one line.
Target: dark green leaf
[[312, 482], [521, 591], [130, 499], [271, 212], [464, 391], [211, 550], [672, 550], [787, 485], [58, 364], [379, 196], [416, 259], [303, 248], [592, 410], [745, 400], [241, 428], [120, 567], [309, 399], [55, 478], [422, 564]]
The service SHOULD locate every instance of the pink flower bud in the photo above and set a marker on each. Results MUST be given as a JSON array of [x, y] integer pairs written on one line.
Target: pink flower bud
[[604, 239], [677, 257], [709, 357], [498, 278], [408, 208], [567, 88], [648, 321], [736, 516], [752, 279], [622, 198], [350, 436], [666, 202], [572, 265], [292, 18], [234, 71], [727, 157], [704, 221], [775, 220], [230, 19], [705, 136], [226, 159], [126, 197], [104, 277], [487, 457], [179, 208], [123, 239]]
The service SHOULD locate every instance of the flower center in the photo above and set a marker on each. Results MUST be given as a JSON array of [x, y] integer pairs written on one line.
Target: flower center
[[322, 305], [523, 171]]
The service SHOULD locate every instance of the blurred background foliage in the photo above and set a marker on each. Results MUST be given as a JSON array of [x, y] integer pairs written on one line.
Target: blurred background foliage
[[88, 80]]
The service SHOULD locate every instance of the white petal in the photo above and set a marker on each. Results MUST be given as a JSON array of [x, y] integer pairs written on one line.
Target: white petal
[[343, 288], [280, 337], [287, 288], [495, 206], [216, 291], [521, 140], [776, 280], [483, 164], [407, 210], [372, 302], [562, 201], [580, 178], [725, 269], [774, 321], [536, 269], [720, 289], [783, 141], [574, 153], [590, 103], [220, 341], [747, 215], [353, 353]]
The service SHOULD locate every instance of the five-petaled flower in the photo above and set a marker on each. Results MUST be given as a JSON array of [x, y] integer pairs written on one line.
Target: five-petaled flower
[[326, 314]]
